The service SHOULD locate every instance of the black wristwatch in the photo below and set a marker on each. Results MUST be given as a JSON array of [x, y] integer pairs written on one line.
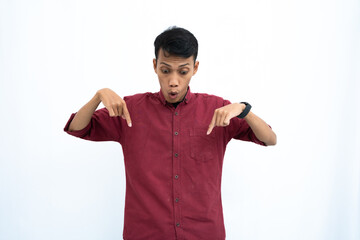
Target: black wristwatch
[[246, 110]]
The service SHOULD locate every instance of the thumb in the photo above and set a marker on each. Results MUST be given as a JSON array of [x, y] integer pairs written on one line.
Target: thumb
[[227, 120]]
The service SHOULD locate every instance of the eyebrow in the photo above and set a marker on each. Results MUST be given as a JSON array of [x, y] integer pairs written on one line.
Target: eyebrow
[[170, 65]]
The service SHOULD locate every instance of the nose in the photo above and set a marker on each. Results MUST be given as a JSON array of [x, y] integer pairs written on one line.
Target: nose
[[173, 82]]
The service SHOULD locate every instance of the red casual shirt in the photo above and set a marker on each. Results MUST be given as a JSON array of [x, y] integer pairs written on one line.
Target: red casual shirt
[[173, 169]]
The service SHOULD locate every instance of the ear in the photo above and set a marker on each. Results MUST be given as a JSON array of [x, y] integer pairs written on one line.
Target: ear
[[196, 66], [154, 63]]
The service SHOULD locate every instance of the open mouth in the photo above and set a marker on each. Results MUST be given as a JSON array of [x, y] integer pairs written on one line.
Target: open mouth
[[173, 95]]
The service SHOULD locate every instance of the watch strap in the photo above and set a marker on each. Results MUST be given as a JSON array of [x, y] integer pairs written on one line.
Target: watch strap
[[246, 110]]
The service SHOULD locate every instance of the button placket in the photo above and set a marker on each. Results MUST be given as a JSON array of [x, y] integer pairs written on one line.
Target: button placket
[[176, 169]]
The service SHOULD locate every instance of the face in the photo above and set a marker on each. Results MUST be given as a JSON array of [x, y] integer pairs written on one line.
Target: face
[[174, 75]]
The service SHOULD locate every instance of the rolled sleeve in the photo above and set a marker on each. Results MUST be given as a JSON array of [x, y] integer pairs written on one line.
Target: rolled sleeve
[[245, 133], [101, 127], [78, 133]]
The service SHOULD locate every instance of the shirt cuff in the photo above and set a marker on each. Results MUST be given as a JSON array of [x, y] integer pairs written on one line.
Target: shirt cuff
[[76, 133]]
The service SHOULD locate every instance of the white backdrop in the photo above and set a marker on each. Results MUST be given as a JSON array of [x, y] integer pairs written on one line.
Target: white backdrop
[[296, 62]]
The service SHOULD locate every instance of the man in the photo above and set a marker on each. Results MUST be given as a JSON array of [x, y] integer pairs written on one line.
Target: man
[[173, 144]]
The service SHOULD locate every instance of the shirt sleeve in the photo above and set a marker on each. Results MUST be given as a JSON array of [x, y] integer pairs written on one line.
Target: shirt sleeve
[[239, 129], [101, 127]]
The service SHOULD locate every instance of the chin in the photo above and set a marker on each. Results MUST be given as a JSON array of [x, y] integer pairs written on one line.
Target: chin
[[172, 100]]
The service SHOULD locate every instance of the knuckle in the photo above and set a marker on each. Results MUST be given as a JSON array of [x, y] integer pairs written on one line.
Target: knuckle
[[118, 104]]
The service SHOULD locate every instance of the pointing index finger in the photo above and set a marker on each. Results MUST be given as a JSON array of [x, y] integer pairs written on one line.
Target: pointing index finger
[[126, 114], [212, 125]]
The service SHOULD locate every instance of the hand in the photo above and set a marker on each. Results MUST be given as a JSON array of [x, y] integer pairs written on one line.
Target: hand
[[223, 115], [114, 104]]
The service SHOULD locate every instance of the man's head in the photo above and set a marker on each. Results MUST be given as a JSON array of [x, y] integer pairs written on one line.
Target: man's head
[[175, 62], [178, 42]]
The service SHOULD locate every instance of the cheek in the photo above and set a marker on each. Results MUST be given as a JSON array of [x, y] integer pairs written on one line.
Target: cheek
[[186, 80], [162, 81]]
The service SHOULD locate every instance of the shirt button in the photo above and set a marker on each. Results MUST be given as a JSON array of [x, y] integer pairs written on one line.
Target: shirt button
[[176, 154], [176, 133], [176, 199], [176, 176], [176, 113], [178, 224]]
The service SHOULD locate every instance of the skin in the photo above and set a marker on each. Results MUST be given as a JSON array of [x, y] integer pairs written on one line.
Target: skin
[[174, 74]]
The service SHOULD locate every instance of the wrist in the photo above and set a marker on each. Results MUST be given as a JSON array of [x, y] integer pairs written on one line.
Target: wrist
[[243, 106], [97, 97], [246, 109]]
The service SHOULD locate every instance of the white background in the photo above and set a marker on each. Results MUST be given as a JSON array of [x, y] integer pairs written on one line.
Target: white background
[[297, 63]]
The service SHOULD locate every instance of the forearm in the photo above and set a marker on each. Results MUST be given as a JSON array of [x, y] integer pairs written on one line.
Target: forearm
[[83, 116], [261, 130]]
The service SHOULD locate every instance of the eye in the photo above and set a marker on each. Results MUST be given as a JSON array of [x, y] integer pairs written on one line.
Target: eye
[[183, 72], [165, 71]]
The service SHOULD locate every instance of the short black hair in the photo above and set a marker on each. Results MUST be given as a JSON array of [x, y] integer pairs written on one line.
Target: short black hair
[[177, 41]]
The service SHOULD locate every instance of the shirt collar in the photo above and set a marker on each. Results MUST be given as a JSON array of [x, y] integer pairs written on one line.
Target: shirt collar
[[187, 98]]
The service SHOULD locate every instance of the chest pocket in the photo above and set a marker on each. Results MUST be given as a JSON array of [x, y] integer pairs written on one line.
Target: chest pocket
[[202, 146]]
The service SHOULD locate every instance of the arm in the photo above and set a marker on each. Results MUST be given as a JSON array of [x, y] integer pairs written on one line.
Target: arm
[[113, 103], [261, 130]]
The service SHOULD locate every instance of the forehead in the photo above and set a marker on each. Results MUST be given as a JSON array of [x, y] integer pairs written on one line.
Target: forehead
[[173, 59]]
